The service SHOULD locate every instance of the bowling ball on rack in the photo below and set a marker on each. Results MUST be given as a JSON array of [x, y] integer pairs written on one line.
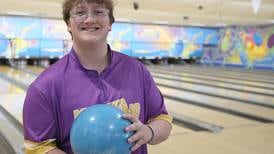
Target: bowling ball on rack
[[100, 129]]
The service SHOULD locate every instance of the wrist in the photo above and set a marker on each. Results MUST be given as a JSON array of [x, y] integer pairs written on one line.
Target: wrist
[[152, 133]]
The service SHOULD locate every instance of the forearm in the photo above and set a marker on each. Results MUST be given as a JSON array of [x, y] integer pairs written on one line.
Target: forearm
[[55, 151], [161, 131]]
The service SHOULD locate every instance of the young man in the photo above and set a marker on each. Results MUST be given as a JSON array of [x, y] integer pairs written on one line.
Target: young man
[[92, 73]]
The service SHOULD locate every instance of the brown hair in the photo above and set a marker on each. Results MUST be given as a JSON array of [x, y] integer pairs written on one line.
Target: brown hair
[[68, 4]]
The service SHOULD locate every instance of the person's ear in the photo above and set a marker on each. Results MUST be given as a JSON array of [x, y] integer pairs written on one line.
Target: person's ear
[[68, 27], [110, 27]]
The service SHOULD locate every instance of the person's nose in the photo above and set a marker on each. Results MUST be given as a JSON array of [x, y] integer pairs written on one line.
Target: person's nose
[[90, 17]]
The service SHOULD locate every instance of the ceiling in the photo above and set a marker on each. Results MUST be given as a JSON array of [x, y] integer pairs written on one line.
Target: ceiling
[[173, 12]]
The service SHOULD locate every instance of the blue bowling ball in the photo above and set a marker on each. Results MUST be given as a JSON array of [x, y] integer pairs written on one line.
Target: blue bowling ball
[[100, 129]]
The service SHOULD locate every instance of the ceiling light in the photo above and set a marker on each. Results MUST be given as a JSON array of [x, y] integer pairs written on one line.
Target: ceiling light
[[18, 13], [198, 24], [161, 22], [256, 5], [123, 19], [221, 24], [271, 21]]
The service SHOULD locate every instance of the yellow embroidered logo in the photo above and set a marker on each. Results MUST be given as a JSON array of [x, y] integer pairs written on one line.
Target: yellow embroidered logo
[[133, 109], [77, 112]]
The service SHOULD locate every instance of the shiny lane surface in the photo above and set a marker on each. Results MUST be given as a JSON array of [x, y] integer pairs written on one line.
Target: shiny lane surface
[[182, 140]]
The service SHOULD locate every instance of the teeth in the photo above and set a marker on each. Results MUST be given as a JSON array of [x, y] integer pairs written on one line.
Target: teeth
[[90, 29]]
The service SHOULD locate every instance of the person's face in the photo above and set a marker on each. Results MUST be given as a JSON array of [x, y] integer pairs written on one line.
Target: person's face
[[89, 22]]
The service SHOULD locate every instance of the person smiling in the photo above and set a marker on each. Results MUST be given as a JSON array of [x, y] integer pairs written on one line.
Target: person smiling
[[92, 73]]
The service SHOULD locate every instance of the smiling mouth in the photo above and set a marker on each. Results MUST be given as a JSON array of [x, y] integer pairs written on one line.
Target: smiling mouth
[[90, 29]]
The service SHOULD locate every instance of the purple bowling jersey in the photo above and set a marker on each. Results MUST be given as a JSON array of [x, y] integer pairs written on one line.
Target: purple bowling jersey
[[66, 88]]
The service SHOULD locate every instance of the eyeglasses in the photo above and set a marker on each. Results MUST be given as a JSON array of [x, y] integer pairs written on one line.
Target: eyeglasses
[[82, 15]]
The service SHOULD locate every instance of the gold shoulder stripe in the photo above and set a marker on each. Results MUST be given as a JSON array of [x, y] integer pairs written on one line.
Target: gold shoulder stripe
[[164, 117], [39, 148]]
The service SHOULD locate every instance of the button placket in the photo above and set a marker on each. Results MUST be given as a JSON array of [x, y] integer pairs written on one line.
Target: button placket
[[102, 89]]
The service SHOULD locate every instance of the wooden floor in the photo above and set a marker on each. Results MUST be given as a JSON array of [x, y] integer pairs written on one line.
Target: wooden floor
[[239, 102]]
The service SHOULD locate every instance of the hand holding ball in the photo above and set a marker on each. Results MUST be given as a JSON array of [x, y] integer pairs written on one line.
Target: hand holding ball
[[100, 129]]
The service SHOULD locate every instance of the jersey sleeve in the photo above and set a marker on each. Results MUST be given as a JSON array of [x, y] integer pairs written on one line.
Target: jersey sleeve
[[38, 122], [154, 100]]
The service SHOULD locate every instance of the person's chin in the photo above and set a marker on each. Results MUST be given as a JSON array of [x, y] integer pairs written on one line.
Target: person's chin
[[91, 39]]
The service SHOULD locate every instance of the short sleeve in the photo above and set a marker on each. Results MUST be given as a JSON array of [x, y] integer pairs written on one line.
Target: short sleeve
[[38, 122], [154, 100]]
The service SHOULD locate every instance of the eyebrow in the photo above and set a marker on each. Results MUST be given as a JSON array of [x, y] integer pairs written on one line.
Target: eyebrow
[[87, 8]]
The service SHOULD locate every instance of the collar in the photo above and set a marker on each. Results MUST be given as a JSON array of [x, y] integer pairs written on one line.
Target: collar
[[77, 62]]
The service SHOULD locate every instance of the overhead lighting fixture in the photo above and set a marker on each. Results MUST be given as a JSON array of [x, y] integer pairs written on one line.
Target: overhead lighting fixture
[[218, 14], [161, 22], [256, 5], [19, 13], [41, 14], [221, 24], [271, 21], [123, 20], [198, 24]]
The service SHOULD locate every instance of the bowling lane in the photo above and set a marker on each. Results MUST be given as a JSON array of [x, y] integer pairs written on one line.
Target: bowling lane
[[257, 139], [13, 103], [11, 98], [11, 134], [17, 75], [233, 70], [218, 92], [35, 69], [8, 88], [216, 79], [219, 102], [178, 130], [219, 73], [179, 134], [235, 87], [206, 115]]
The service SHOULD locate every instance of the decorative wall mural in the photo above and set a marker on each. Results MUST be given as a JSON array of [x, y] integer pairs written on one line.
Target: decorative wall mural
[[243, 46]]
